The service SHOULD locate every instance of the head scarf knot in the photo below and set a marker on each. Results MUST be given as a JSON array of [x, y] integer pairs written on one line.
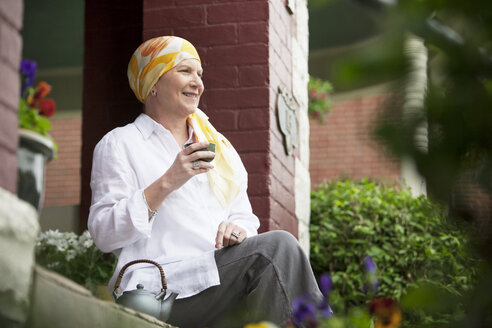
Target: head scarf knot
[[149, 62]]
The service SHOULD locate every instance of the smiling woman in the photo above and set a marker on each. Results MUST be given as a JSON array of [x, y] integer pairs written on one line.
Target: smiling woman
[[187, 208]]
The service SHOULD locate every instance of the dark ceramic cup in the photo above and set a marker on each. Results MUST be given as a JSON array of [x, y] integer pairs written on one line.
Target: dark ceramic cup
[[211, 147]]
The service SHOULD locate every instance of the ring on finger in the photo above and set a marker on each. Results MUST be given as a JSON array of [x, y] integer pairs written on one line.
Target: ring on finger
[[236, 234], [196, 165]]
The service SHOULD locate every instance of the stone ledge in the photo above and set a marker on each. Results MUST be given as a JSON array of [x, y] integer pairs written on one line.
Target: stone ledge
[[59, 302]]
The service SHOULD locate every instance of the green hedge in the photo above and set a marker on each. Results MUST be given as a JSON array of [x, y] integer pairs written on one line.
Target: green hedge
[[408, 239]]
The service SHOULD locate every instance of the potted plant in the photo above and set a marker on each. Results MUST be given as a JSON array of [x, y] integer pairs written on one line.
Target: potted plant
[[36, 146]]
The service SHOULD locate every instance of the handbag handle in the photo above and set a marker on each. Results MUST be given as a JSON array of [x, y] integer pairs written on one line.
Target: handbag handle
[[123, 269]]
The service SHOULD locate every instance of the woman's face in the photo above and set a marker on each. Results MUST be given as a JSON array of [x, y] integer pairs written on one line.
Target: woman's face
[[180, 88]]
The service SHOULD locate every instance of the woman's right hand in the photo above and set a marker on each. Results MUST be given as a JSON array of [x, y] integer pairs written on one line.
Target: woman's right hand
[[184, 166], [179, 173]]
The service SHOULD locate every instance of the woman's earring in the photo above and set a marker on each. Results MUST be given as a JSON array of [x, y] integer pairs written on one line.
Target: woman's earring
[[153, 92]]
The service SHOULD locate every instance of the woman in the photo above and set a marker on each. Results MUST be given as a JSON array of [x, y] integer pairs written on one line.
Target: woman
[[153, 198]]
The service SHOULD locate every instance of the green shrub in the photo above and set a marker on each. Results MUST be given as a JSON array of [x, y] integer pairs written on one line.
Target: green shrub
[[408, 238]]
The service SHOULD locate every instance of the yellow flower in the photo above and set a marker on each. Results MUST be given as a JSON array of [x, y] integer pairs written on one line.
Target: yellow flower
[[387, 313], [263, 324]]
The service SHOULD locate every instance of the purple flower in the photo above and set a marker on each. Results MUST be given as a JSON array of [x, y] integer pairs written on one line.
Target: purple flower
[[325, 284], [28, 71], [371, 276], [304, 314], [369, 263]]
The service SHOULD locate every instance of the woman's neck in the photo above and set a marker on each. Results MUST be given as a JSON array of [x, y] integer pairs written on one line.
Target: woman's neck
[[176, 125]]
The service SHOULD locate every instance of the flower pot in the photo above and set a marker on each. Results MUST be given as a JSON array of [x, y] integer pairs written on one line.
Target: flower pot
[[33, 153]]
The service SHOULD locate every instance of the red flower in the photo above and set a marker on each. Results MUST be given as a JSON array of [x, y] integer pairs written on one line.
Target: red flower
[[42, 90], [314, 94], [47, 107], [387, 312]]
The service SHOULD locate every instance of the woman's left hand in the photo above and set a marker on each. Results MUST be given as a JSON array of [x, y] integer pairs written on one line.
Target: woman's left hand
[[229, 234]]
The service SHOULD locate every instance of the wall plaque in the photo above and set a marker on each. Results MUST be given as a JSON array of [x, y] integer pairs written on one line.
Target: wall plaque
[[287, 120]]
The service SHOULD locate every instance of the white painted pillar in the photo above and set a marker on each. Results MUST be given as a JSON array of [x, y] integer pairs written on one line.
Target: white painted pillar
[[300, 78]]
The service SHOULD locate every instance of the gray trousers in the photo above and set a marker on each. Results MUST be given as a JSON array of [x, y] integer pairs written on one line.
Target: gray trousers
[[260, 278]]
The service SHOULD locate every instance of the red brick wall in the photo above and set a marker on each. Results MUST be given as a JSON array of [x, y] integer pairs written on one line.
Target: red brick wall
[[11, 15], [63, 174], [342, 146], [473, 203]]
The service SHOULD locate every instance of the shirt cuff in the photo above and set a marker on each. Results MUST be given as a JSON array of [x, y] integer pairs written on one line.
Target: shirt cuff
[[139, 214]]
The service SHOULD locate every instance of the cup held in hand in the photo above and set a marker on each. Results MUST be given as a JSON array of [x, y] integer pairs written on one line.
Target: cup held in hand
[[211, 147]]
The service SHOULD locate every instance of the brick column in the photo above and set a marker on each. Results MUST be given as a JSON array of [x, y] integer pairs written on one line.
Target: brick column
[[300, 78], [11, 15]]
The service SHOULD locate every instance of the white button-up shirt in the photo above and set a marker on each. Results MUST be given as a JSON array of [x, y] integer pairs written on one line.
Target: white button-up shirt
[[182, 236]]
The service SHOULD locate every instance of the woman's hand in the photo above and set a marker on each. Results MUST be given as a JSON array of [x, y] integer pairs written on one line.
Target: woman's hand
[[229, 234], [183, 168], [186, 165]]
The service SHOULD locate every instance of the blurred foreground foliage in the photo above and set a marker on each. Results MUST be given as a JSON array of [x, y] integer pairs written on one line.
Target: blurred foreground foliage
[[454, 108], [408, 238]]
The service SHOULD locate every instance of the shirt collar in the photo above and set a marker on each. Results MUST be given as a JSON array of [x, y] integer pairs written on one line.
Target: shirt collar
[[146, 125]]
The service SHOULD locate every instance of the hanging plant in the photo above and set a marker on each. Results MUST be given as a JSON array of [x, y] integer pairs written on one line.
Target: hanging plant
[[35, 109], [319, 101]]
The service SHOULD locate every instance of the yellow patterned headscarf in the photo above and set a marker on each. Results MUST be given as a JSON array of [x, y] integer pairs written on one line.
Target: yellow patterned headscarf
[[155, 57], [149, 62]]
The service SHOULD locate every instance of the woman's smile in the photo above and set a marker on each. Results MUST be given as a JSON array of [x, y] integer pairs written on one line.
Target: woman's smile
[[191, 95]]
